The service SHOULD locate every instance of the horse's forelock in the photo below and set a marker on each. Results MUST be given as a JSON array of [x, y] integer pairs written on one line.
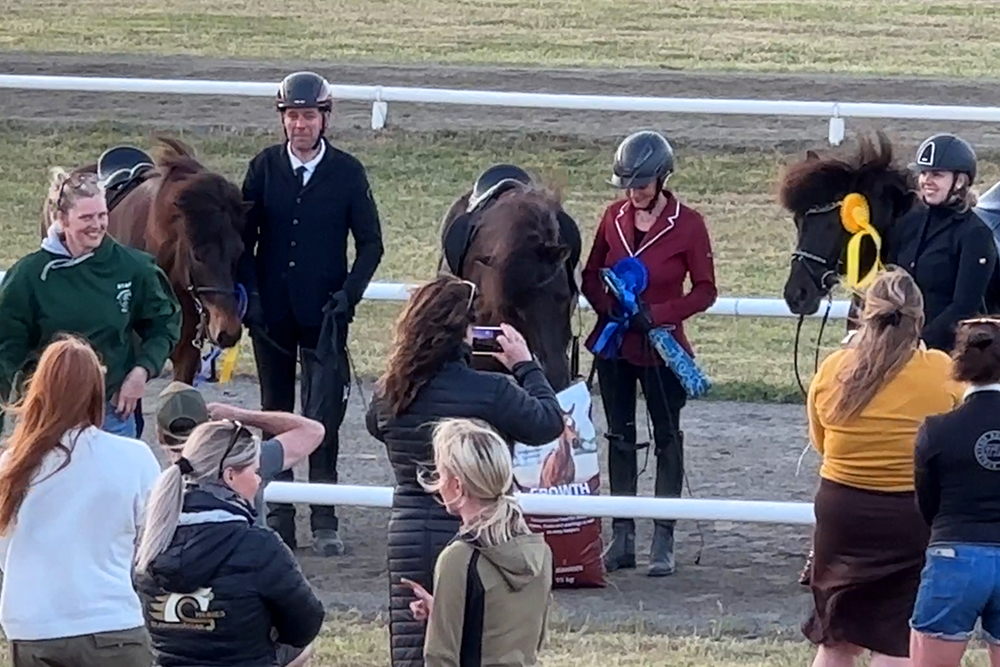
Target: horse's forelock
[[526, 237], [212, 208], [817, 180]]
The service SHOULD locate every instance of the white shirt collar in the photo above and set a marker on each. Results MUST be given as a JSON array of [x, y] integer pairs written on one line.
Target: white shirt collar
[[311, 165], [980, 387]]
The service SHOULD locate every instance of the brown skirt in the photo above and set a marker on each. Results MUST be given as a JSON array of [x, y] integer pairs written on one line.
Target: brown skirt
[[869, 551]]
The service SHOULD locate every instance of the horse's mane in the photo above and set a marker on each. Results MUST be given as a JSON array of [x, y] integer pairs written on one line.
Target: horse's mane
[[870, 168], [200, 194], [530, 238]]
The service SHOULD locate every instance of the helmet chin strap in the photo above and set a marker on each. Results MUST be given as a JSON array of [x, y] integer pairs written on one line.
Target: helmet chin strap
[[660, 182]]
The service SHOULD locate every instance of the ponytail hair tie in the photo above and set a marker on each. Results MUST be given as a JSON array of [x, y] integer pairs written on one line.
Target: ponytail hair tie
[[185, 466]]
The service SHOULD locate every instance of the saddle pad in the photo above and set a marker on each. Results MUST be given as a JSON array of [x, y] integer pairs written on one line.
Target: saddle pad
[[456, 242]]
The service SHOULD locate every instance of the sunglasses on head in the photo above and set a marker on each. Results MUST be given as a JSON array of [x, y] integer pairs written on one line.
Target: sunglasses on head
[[238, 429], [472, 293]]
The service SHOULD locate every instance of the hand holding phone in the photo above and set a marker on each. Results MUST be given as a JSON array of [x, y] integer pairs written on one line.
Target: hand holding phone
[[513, 347]]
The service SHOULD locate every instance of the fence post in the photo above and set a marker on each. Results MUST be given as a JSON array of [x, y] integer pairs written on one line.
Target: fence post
[[380, 110], [837, 129]]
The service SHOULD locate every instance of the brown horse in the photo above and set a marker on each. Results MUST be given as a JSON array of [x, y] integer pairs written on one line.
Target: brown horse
[[559, 468], [191, 220], [518, 263]]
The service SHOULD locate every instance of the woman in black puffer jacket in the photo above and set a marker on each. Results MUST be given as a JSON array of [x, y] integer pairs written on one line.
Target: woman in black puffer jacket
[[429, 379], [218, 590]]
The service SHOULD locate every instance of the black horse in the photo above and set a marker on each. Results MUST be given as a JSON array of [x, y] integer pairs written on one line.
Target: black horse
[[517, 259], [813, 190]]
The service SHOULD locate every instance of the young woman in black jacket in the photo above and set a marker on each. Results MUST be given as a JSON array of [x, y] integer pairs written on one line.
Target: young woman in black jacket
[[217, 589], [429, 379], [957, 475], [944, 245]]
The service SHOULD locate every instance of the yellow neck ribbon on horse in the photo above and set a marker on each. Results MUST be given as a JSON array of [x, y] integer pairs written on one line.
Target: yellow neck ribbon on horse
[[855, 215]]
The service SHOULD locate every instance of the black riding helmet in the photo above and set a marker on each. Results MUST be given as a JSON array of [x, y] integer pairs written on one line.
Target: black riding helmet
[[642, 158], [947, 152], [495, 180], [304, 90]]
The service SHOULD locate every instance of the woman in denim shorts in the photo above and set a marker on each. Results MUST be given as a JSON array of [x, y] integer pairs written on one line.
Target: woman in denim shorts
[[957, 473]]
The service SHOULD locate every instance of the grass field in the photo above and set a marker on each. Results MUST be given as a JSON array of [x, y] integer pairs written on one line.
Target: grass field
[[347, 642], [415, 177], [875, 36]]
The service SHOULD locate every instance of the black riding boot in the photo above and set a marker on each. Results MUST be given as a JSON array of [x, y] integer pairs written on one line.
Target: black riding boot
[[621, 555], [661, 553]]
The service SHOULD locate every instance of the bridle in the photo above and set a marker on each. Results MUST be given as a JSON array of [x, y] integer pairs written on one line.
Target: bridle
[[825, 273], [196, 291]]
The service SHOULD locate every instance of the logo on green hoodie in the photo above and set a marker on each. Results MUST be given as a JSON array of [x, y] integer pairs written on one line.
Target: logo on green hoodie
[[124, 296]]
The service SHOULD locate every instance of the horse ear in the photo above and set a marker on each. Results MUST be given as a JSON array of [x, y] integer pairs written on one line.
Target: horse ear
[[811, 156]]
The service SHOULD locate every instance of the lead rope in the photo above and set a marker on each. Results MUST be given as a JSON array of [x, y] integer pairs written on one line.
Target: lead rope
[[819, 344]]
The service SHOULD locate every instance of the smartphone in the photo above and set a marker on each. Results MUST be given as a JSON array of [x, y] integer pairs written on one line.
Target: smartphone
[[484, 340]]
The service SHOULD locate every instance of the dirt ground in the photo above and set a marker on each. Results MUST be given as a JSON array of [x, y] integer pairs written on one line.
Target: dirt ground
[[745, 582], [724, 132]]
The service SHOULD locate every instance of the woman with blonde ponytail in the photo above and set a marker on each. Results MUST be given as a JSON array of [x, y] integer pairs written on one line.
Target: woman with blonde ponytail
[[84, 282], [492, 583], [203, 563], [865, 406]]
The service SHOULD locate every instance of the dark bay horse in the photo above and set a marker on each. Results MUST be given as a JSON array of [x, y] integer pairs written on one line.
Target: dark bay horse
[[813, 189], [517, 261], [191, 220]]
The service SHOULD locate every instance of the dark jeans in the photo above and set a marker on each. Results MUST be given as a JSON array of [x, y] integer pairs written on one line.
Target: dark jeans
[[324, 388], [665, 397]]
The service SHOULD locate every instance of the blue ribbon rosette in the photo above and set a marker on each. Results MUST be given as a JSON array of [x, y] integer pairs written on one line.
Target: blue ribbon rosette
[[626, 280]]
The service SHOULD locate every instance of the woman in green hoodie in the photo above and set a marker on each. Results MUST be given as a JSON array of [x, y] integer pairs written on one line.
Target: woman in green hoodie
[[81, 281], [493, 582]]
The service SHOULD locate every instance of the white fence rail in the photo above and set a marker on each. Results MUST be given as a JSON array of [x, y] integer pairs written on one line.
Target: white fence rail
[[624, 507], [380, 96], [731, 306]]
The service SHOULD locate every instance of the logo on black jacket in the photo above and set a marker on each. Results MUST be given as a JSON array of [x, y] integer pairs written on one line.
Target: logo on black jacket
[[988, 450], [187, 611]]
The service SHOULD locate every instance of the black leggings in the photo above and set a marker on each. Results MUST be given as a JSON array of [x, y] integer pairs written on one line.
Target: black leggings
[[665, 396]]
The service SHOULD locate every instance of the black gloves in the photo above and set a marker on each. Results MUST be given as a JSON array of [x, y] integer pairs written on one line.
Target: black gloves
[[642, 321], [340, 307]]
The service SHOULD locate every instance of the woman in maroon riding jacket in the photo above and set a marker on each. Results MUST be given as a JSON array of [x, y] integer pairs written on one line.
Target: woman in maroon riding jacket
[[671, 241]]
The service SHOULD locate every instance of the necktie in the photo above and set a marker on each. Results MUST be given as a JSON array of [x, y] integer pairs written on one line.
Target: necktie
[[301, 173]]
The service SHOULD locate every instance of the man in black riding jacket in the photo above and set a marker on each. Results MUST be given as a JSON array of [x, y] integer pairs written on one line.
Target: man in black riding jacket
[[944, 245], [488, 186], [305, 197]]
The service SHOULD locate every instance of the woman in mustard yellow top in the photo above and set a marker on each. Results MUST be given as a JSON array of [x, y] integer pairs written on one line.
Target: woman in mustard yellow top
[[865, 405]]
